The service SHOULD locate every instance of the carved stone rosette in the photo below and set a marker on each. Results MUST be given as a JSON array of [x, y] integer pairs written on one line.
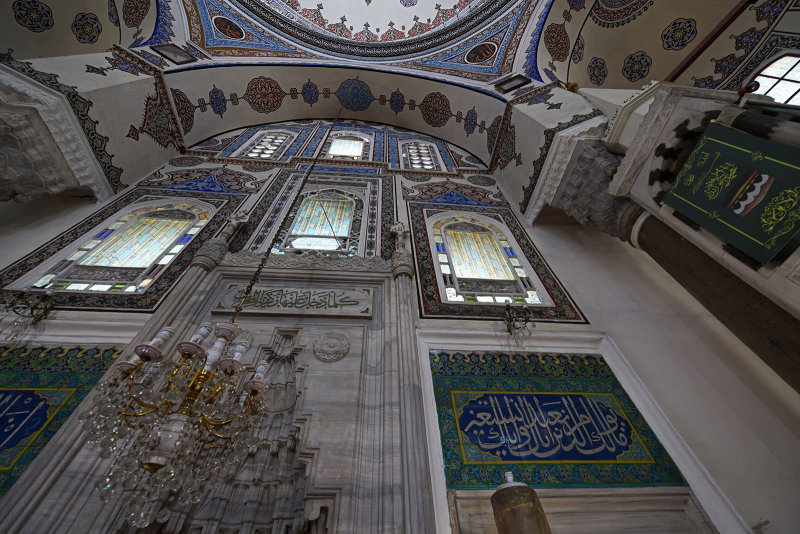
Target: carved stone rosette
[[331, 347]]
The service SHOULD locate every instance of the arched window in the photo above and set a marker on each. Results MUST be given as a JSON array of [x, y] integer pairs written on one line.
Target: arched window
[[329, 219], [128, 252], [421, 156], [781, 80], [477, 262]]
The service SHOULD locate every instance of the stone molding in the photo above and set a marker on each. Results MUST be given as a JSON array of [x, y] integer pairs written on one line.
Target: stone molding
[[331, 347], [560, 157], [311, 260], [618, 123], [211, 253], [22, 95], [32, 164], [636, 228], [402, 260]]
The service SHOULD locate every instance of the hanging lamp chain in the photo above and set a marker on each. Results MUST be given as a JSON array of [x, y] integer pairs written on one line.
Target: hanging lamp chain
[[238, 308]]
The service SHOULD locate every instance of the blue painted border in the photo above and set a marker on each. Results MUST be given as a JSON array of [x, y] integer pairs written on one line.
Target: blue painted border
[[530, 66], [486, 92]]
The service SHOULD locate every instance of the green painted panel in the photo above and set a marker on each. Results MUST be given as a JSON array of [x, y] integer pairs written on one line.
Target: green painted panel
[[743, 188]]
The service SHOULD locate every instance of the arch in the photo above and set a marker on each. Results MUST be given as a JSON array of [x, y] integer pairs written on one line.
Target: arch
[[431, 107], [779, 77]]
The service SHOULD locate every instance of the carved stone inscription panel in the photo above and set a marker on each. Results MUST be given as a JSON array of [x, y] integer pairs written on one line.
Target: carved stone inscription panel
[[297, 300]]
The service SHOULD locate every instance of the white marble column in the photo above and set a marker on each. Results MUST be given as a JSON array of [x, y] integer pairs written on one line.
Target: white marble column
[[417, 498]]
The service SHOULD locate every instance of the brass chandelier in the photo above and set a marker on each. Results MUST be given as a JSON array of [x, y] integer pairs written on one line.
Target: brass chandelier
[[177, 429]]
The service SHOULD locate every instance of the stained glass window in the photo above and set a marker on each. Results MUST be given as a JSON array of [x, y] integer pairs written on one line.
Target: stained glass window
[[139, 245], [129, 253], [477, 255], [320, 222], [477, 263]]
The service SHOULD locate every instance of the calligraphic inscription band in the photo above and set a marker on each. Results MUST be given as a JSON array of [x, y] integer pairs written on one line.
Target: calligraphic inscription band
[[743, 188], [306, 301], [544, 427], [554, 420], [23, 414], [40, 387], [481, 52]]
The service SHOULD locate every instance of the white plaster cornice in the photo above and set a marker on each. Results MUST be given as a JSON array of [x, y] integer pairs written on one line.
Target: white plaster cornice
[[19, 93]]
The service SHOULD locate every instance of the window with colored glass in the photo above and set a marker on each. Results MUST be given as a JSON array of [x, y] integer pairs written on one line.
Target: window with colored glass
[[130, 252]]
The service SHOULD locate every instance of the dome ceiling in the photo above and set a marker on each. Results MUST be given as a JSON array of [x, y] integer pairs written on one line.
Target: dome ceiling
[[374, 28]]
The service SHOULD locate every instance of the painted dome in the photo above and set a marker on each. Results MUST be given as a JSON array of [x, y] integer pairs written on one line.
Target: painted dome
[[374, 28]]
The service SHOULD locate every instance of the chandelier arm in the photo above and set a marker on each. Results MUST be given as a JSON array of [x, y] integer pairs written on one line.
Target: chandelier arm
[[215, 434], [208, 422], [131, 375], [139, 414]]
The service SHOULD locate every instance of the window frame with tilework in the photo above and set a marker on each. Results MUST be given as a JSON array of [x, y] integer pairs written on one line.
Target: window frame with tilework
[[351, 242], [367, 141], [417, 155], [157, 230], [268, 144], [478, 262]]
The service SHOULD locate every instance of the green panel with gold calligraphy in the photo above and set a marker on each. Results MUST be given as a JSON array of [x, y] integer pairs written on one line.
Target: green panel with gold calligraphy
[[743, 188], [555, 420]]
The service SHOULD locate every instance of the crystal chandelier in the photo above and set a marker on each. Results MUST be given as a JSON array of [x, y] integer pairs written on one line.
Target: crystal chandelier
[[177, 428]]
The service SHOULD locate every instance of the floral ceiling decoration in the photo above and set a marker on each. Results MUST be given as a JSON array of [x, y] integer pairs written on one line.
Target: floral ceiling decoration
[[380, 30], [487, 54], [222, 31]]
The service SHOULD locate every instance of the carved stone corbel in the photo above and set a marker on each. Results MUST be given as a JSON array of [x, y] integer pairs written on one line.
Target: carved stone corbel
[[402, 260]]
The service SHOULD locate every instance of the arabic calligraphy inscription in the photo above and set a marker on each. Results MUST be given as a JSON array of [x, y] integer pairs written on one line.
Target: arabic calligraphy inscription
[[336, 301], [529, 427]]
